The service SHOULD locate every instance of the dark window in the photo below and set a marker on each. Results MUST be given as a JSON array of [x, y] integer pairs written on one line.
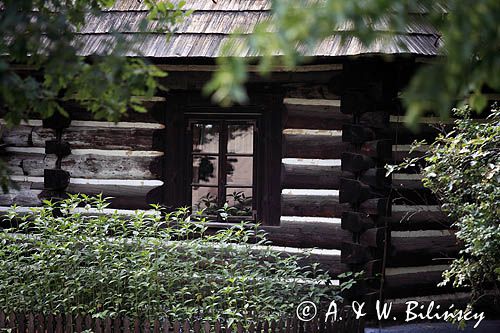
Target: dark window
[[224, 160], [223, 166]]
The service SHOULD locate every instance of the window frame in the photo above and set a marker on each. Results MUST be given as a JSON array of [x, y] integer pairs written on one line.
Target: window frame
[[176, 142], [226, 119]]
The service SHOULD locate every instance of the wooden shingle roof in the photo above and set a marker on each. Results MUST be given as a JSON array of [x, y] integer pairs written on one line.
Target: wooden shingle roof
[[203, 32]]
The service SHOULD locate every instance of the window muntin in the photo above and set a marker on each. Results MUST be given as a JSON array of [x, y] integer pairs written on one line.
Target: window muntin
[[223, 167]]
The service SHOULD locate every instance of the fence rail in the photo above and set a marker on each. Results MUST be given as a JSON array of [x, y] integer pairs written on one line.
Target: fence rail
[[41, 323]]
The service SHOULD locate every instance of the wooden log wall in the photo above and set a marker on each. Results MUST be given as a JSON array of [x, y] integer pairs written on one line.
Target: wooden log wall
[[342, 125], [59, 155], [365, 98]]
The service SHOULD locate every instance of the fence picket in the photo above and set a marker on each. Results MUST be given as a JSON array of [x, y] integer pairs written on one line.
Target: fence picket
[[137, 326], [69, 324], [12, 321], [107, 325], [251, 328], [197, 326], [207, 327], [98, 326], [177, 326], [49, 323], [40, 323], [166, 326], [117, 325], [146, 326], [186, 326], [156, 326], [88, 322], [79, 324], [126, 325], [59, 324], [31, 323], [217, 327]]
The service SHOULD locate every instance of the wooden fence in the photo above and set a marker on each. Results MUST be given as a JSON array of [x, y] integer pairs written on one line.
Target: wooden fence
[[41, 323]]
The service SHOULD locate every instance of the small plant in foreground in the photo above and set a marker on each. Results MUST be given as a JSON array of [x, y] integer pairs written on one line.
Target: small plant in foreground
[[68, 257]]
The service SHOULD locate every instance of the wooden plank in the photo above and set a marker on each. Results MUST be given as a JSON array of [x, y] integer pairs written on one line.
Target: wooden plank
[[325, 233], [23, 195], [401, 152], [414, 281], [26, 135], [423, 246], [315, 117], [417, 217], [302, 176], [319, 144], [117, 138], [29, 164], [313, 204], [99, 166]]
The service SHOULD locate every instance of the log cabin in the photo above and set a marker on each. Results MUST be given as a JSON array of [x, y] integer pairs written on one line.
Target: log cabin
[[304, 158]]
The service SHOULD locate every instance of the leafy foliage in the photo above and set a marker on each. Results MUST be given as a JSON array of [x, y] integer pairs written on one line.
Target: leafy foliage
[[62, 259], [469, 30], [462, 168], [464, 172], [40, 35]]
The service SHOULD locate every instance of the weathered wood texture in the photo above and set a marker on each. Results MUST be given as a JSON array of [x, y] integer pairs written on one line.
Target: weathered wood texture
[[314, 145], [102, 165], [134, 137], [415, 281], [304, 176], [29, 164], [313, 232], [20, 322], [423, 247], [29, 134]]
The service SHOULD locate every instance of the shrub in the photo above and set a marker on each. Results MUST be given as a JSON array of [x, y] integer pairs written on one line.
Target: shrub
[[65, 259], [463, 170]]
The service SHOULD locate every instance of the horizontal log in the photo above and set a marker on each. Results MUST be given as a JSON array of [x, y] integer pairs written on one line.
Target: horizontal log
[[21, 194], [315, 117], [125, 193], [155, 106], [109, 138], [310, 176], [310, 91], [319, 144], [356, 222], [407, 181], [325, 233], [27, 134], [353, 191], [354, 254], [97, 166], [402, 152], [423, 246], [414, 281], [375, 237], [312, 205], [29, 164], [91, 164], [406, 217]]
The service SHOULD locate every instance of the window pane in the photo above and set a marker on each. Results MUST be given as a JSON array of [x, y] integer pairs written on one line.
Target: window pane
[[206, 138], [204, 198], [240, 139], [240, 201], [239, 170], [205, 170]]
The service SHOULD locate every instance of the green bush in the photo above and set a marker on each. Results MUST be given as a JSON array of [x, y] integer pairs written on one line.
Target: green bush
[[64, 259], [463, 170]]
